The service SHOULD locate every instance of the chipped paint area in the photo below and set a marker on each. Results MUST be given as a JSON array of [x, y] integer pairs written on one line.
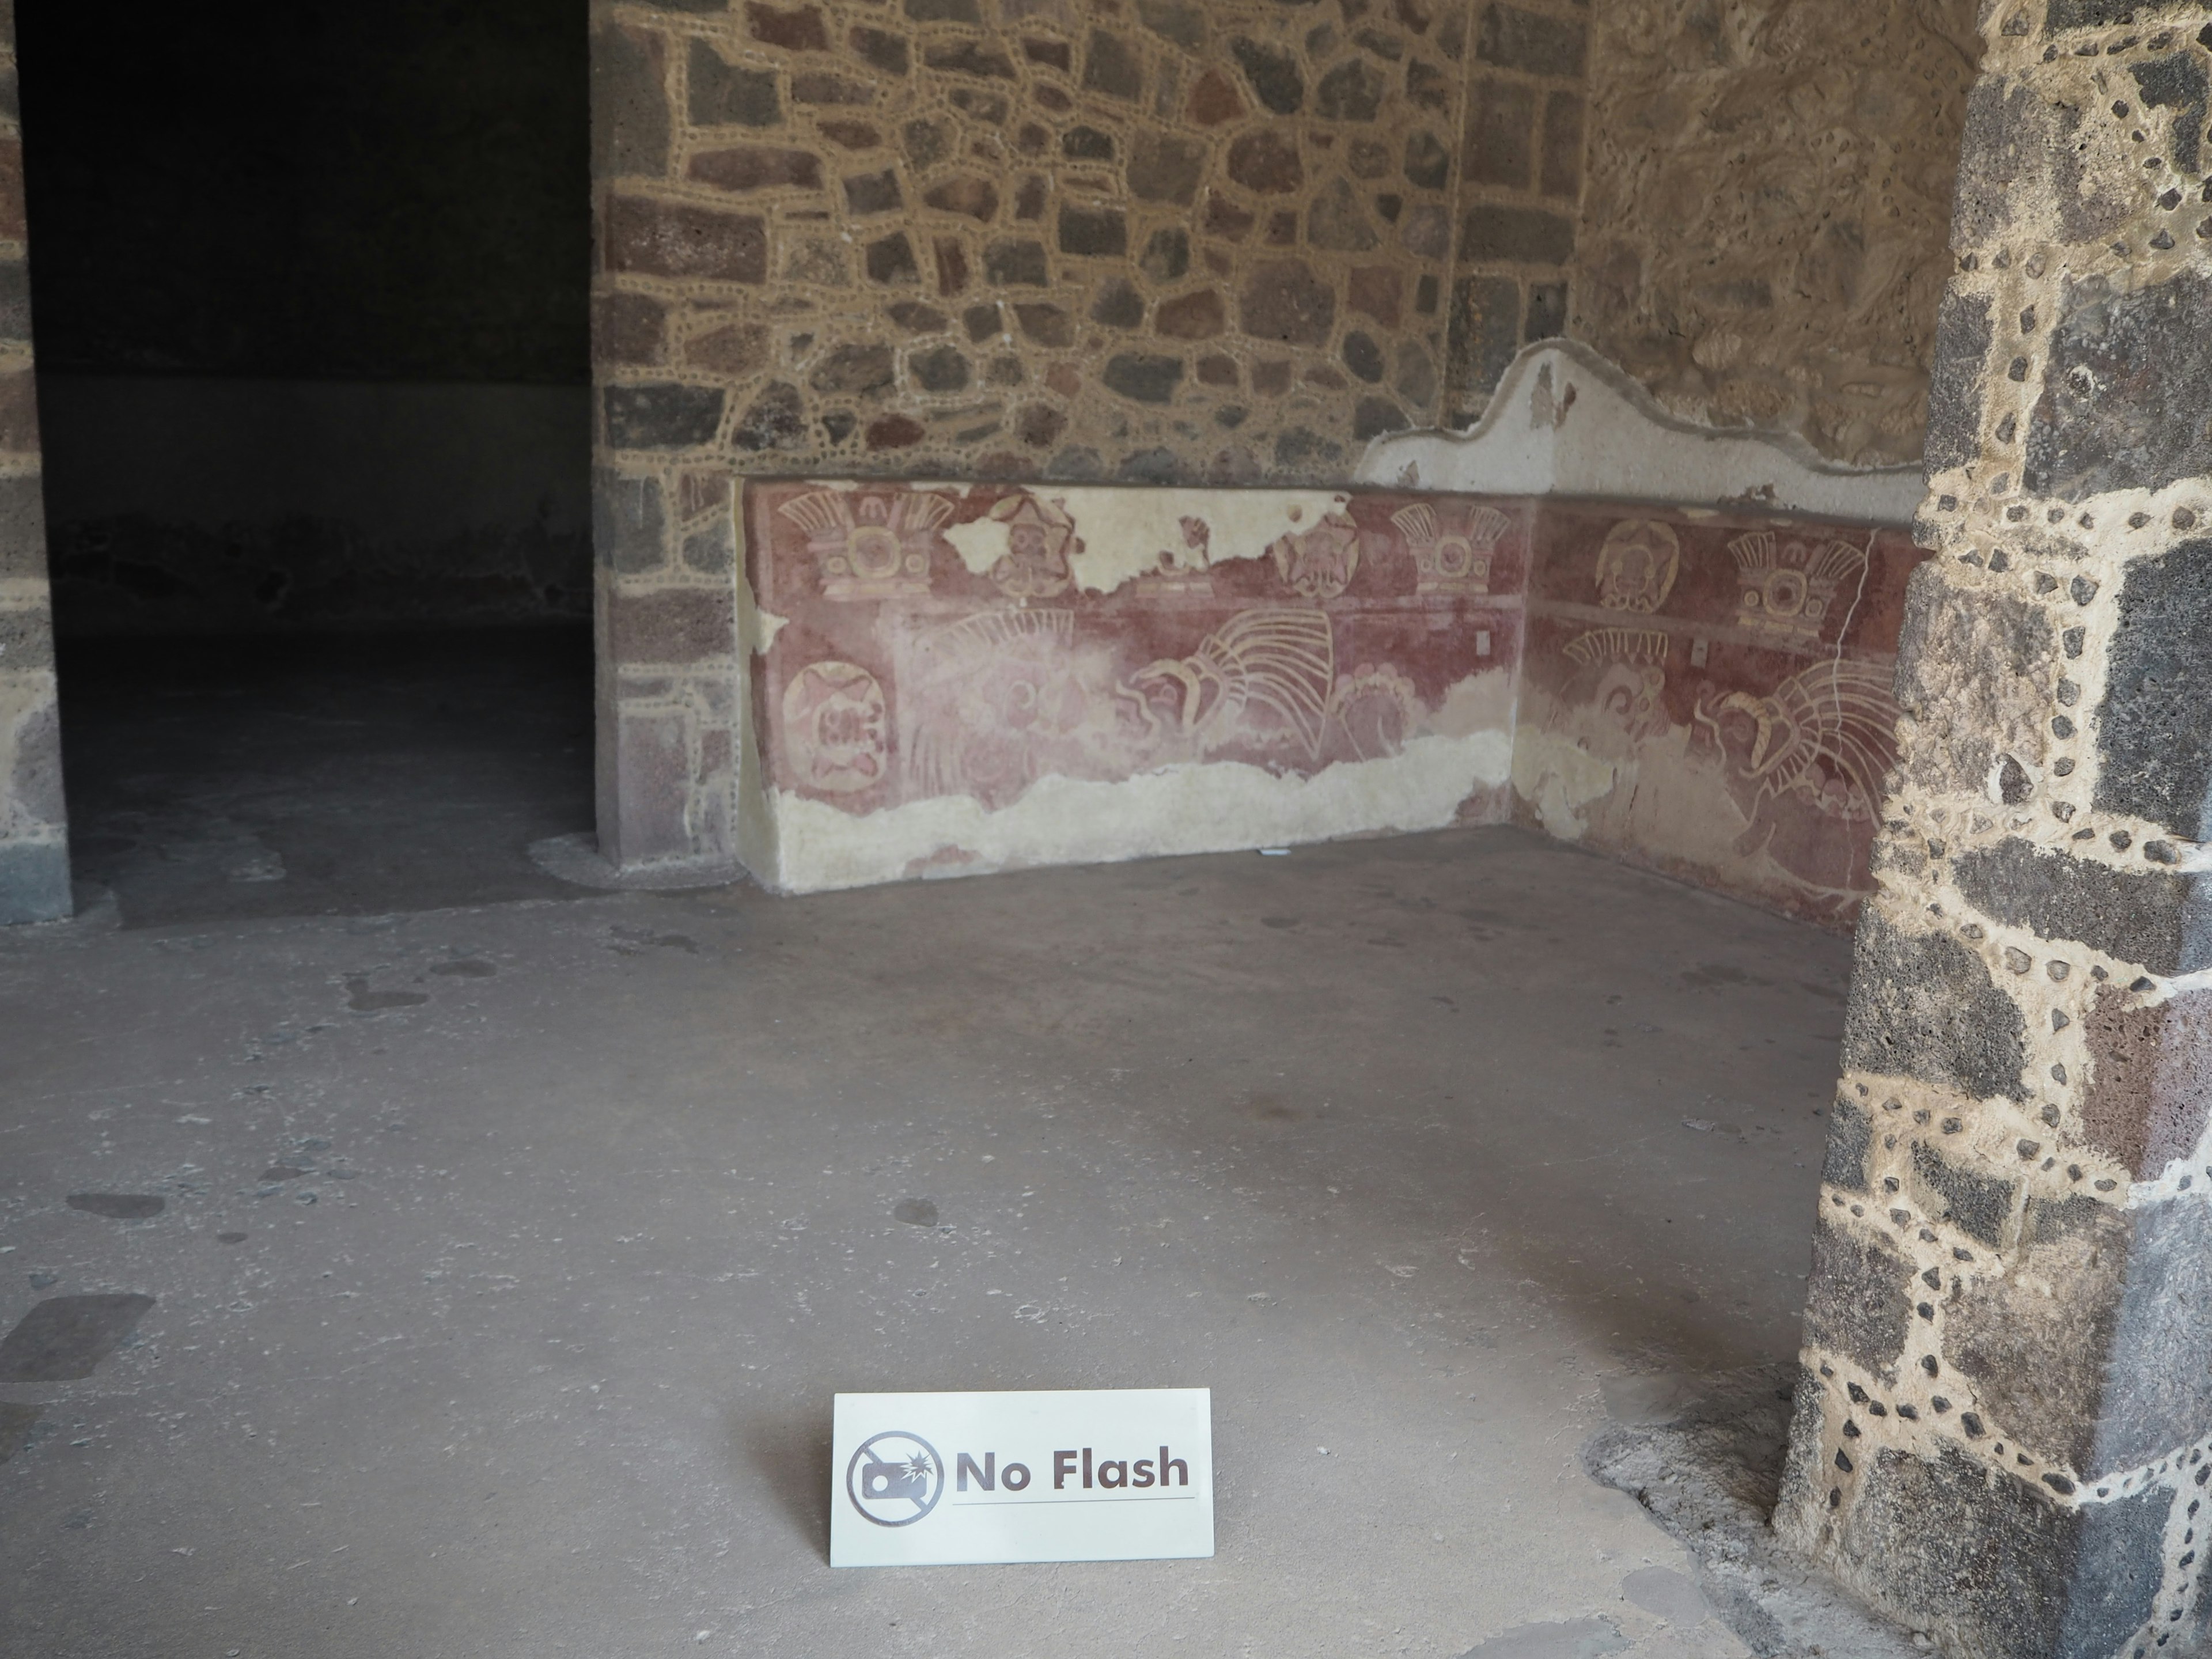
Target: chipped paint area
[[1221, 806], [1132, 533]]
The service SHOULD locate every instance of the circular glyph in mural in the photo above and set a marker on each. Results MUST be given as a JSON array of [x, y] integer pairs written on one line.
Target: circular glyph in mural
[[1637, 566], [834, 726]]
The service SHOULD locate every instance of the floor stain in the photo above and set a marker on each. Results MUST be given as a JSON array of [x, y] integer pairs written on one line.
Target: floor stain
[[363, 1000], [63, 1338], [1571, 1638], [918, 1211], [15, 1425], [468, 968], [119, 1206]]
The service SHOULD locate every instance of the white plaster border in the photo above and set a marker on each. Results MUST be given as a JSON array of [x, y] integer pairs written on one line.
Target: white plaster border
[[1567, 423]]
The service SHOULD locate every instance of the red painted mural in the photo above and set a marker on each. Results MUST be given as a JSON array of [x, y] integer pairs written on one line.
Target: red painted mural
[[1712, 697], [1706, 695], [900, 673]]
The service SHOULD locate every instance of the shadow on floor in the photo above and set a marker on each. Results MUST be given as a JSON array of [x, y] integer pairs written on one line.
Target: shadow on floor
[[232, 778]]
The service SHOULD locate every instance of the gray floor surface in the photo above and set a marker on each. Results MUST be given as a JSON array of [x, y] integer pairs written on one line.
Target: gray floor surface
[[509, 1254]]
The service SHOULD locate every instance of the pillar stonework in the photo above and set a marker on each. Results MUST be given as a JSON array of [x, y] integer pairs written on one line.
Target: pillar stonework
[[2003, 1430], [34, 871]]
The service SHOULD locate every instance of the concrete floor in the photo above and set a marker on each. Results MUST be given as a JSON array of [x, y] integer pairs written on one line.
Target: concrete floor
[[510, 1253]]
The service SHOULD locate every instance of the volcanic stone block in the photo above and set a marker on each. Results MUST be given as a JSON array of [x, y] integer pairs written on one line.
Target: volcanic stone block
[[1271, 74], [1021, 263], [854, 368], [2152, 734], [654, 238], [2158, 1374], [1562, 169], [22, 527], [2125, 390], [890, 260], [1266, 160], [1352, 91], [1285, 301], [652, 778], [1963, 337], [628, 522], [14, 300], [872, 192], [777, 419], [1979, 1205], [1165, 168], [1363, 357], [27, 639], [880, 49], [1111, 65], [1143, 377], [1098, 233], [1924, 1006], [1518, 39], [941, 368], [799, 29], [629, 103], [1373, 416], [1858, 1301], [1118, 306], [726, 95], [1522, 235], [1167, 255], [1048, 324], [671, 625], [1428, 163], [2154, 917], [2147, 1100], [1198, 316], [1958, 1548], [1499, 148], [1174, 21], [1336, 221], [754, 167], [973, 197], [627, 328], [1851, 1132], [1974, 671]]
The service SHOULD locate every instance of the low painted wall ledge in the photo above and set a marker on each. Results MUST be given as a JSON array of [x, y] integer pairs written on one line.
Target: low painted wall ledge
[[1565, 422]]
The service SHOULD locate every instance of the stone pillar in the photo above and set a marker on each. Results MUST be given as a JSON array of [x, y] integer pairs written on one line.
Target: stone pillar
[[2003, 1433], [663, 528], [34, 872]]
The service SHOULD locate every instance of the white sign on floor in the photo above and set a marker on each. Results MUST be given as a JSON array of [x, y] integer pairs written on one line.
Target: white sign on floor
[[941, 1479]]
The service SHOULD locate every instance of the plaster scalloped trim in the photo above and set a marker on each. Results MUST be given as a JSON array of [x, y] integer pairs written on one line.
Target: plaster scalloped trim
[[1566, 422]]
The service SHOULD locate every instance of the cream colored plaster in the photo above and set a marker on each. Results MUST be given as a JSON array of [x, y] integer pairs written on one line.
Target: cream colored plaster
[[1131, 533], [1215, 807], [1565, 422]]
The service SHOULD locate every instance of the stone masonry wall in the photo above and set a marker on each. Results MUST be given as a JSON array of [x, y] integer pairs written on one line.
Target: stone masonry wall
[[1160, 242], [34, 879], [2004, 1428], [1763, 239]]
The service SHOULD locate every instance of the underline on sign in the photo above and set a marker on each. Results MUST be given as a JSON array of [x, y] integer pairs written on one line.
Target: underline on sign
[[1010, 1503]]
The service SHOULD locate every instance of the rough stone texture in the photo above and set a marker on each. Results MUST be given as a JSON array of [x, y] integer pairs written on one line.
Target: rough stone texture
[[823, 173], [1994, 1567], [1520, 154], [2154, 744], [2125, 388], [34, 873], [2031, 1486], [1769, 191], [1859, 1303], [2145, 915], [2146, 1104], [1925, 1007]]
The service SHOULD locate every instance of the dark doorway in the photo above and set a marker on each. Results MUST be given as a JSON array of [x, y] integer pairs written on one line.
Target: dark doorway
[[310, 310]]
